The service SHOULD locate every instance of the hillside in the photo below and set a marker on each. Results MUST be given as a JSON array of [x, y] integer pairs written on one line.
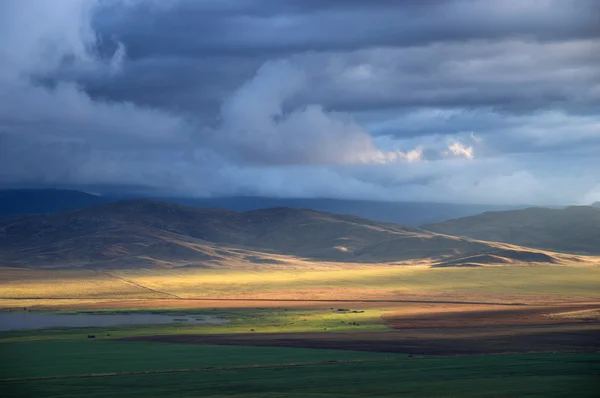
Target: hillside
[[572, 230], [145, 233]]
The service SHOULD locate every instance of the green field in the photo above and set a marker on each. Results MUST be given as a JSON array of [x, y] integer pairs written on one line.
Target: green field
[[549, 375], [39, 359], [268, 320]]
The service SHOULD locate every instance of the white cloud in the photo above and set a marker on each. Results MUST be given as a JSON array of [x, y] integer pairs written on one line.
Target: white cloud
[[457, 149], [256, 127]]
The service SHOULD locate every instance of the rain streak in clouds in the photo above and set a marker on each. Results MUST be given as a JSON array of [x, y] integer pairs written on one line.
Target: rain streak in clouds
[[458, 100]]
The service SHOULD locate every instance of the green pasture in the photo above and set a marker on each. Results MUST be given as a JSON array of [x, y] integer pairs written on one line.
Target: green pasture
[[541, 375], [69, 357], [243, 320]]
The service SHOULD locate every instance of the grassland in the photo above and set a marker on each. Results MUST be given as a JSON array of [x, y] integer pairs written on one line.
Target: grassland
[[396, 310], [38, 359], [68, 284], [372, 283], [225, 283], [240, 320], [376, 291], [548, 375]]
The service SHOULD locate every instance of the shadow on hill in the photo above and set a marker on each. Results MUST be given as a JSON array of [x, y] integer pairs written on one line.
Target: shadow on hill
[[499, 257]]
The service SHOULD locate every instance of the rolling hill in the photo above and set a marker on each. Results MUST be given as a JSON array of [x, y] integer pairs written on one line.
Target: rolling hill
[[573, 229], [146, 233], [405, 213]]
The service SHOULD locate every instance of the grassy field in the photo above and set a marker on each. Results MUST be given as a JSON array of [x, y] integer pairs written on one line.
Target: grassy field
[[268, 320], [387, 283], [67, 284], [433, 310], [38, 359], [227, 283], [559, 375]]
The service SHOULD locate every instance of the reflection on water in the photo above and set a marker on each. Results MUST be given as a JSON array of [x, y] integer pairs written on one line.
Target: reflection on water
[[33, 320]]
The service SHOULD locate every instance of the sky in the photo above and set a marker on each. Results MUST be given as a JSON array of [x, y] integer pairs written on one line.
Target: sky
[[462, 101]]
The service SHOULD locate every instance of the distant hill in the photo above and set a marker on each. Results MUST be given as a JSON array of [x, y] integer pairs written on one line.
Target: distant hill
[[15, 202], [406, 213], [35, 201], [573, 229], [146, 233], [596, 204]]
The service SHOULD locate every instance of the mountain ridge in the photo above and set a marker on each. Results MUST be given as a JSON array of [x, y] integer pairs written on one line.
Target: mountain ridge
[[38, 201], [151, 233], [574, 229]]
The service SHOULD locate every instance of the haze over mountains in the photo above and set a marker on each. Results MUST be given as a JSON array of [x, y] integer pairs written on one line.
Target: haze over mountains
[[31, 201], [147, 233], [14, 202]]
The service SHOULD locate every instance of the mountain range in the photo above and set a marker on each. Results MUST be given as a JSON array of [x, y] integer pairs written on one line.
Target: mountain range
[[35, 201], [148, 233]]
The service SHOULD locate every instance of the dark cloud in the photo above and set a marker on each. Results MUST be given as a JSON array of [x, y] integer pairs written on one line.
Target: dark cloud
[[192, 54], [278, 28], [458, 100], [437, 53]]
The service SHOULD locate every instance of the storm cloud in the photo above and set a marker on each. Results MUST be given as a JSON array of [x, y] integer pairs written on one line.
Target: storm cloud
[[457, 100]]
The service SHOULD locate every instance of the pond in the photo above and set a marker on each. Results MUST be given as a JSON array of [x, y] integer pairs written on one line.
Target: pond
[[39, 320]]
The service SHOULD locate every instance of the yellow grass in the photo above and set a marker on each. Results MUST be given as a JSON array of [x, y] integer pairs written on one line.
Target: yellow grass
[[64, 284], [229, 283], [381, 283], [588, 315]]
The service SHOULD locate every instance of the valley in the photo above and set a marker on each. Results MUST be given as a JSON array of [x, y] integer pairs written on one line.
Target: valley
[[295, 293]]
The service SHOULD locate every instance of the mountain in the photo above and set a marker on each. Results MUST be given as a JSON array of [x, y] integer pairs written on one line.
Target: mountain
[[31, 201], [596, 204], [573, 229], [146, 233], [406, 213]]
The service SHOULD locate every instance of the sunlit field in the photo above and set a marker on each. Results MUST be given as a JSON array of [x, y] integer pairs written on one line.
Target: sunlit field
[[67, 284], [33, 287], [239, 320], [352, 282]]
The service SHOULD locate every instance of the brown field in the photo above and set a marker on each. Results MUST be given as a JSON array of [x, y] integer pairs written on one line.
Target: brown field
[[436, 329]]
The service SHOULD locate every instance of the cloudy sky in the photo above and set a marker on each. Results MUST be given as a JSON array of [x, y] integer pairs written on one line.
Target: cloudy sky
[[478, 101]]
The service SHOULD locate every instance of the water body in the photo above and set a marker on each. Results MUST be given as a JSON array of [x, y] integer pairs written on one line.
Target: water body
[[36, 320]]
